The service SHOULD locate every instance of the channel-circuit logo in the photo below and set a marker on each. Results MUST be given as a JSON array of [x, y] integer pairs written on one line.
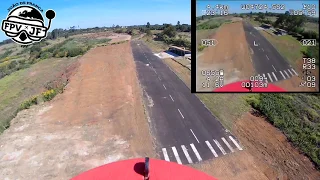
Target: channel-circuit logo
[[25, 25]]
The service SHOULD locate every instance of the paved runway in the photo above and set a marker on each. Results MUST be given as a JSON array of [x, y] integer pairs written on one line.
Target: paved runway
[[266, 59], [184, 129]]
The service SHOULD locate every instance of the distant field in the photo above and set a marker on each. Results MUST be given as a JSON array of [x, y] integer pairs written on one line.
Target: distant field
[[213, 23], [204, 34]]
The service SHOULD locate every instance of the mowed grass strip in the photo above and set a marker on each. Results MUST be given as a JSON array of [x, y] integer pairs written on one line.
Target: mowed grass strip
[[288, 46]]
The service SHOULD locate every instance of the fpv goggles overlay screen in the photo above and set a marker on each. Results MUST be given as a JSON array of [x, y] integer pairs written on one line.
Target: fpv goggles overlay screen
[[256, 46]]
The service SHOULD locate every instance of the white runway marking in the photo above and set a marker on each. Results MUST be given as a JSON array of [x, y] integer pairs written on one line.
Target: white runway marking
[[274, 68], [283, 75], [263, 50], [270, 77], [235, 143], [294, 71], [165, 154], [196, 152], [194, 135], [171, 97], [181, 113], [275, 77], [211, 148], [228, 145], [185, 151], [175, 152], [267, 57], [159, 78], [290, 72], [286, 73], [220, 147], [264, 77], [164, 86], [155, 71]]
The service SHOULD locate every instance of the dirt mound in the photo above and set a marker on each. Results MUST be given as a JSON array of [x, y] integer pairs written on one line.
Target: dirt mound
[[267, 155], [230, 54], [270, 146], [97, 120]]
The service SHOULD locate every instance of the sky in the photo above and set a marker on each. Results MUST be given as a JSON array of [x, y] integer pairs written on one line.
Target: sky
[[235, 5], [92, 13]]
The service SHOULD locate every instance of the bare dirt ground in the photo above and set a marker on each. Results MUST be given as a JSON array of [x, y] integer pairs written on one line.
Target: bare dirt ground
[[267, 154], [97, 120], [230, 54], [115, 37], [119, 37]]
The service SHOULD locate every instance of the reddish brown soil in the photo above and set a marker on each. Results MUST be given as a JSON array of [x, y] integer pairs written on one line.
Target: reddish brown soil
[[230, 54], [267, 155], [97, 120]]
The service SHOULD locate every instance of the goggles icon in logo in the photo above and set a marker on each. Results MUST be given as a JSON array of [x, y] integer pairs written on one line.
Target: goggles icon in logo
[[25, 25]]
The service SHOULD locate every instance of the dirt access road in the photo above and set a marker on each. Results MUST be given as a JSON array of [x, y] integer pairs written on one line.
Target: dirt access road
[[97, 120], [230, 54]]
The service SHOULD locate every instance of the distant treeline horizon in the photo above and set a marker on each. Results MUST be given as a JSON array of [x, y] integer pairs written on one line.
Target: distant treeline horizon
[[73, 30]]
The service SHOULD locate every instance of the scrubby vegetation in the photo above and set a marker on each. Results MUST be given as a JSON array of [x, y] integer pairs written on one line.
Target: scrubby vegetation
[[201, 47], [68, 48], [297, 115], [28, 103], [169, 36], [212, 23]]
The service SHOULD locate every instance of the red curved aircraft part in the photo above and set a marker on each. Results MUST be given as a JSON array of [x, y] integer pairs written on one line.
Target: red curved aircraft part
[[237, 87], [133, 169]]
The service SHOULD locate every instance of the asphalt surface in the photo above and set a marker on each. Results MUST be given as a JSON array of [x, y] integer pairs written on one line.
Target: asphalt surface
[[266, 59], [179, 121]]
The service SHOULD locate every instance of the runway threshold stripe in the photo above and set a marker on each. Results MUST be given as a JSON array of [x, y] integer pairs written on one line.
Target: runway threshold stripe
[[185, 151], [228, 145], [235, 143], [211, 149], [196, 152], [275, 77], [264, 77], [176, 155], [165, 154], [220, 147], [290, 72], [270, 77], [286, 73], [283, 75], [294, 71]]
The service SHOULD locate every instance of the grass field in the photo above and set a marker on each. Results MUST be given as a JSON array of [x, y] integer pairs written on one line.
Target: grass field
[[23, 84], [312, 27], [204, 34]]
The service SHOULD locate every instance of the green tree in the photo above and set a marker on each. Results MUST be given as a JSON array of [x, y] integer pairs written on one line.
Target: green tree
[[178, 25], [148, 25], [170, 31]]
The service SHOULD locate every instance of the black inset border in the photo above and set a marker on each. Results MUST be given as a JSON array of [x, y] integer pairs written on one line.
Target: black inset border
[[194, 56]]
